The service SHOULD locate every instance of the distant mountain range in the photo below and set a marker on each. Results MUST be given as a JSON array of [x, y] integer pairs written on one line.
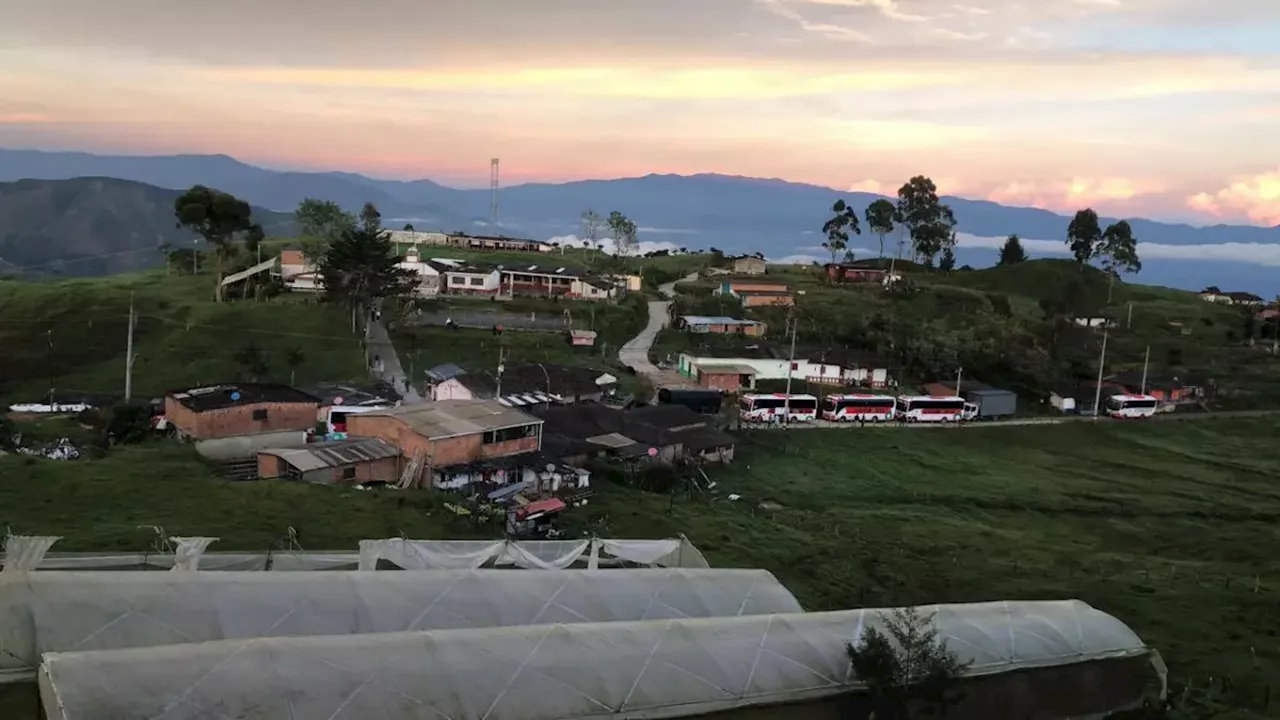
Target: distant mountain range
[[772, 216], [93, 226]]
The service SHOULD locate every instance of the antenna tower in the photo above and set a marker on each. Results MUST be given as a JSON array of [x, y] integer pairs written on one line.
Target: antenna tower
[[493, 190]]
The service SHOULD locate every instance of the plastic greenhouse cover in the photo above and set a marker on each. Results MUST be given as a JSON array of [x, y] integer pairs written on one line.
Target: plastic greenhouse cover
[[650, 669], [56, 612]]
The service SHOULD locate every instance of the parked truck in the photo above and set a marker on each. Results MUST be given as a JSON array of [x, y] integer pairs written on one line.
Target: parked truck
[[990, 404]]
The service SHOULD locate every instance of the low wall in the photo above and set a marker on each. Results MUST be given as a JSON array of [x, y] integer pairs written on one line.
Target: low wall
[[243, 447]]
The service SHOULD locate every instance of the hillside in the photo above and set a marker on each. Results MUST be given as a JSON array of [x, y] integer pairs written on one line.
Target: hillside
[[1013, 327], [71, 335], [93, 226]]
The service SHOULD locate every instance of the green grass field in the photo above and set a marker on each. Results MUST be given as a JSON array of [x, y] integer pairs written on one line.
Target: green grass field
[[1170, 526], [72, 334]]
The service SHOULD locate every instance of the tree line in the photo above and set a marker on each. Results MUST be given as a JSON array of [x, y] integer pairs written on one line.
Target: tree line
[[930, 224]]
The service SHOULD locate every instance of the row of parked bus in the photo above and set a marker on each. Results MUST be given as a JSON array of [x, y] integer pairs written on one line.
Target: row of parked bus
[[780, 407]]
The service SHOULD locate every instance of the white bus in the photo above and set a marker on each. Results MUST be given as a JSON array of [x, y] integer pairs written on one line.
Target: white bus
[[926, 408], [774, 407], [858, 408], [1131, 406]]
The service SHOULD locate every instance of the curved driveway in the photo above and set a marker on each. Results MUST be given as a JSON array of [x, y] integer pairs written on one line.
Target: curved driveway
[[635, 353]]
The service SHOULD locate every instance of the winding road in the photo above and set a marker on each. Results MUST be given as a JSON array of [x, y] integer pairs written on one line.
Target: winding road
[[635, 353]]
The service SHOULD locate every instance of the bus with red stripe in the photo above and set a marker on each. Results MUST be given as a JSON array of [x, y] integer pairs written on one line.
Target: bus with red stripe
[[859, 408], [926, 408], [773, 407], [1131, 406]]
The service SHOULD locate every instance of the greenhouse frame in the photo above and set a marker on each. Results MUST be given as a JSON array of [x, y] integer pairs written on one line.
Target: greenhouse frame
[[1060, 659]]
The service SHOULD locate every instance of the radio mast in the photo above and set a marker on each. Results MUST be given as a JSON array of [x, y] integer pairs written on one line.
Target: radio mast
[[493, 190]]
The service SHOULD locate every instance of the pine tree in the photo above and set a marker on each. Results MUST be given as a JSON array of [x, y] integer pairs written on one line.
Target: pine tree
[[1012, 252]]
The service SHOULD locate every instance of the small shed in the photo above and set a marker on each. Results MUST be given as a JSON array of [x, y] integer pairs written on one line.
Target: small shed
[[336, 462], [726, 377], [582, 338]]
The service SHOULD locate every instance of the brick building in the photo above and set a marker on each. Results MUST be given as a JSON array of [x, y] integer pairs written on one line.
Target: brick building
[[456, 438], [221, 411], [757, 294]]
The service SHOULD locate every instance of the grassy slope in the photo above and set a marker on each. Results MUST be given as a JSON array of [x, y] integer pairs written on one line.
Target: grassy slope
[[182, 338], [1165, 525], [1206, 339]]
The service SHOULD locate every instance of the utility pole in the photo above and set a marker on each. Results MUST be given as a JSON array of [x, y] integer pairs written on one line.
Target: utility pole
[[959, 372], [128, 354], [1102, 363], [1145, 360], [1129, 324], [195, 258], [498, 390], [791, 363], [49, 362]]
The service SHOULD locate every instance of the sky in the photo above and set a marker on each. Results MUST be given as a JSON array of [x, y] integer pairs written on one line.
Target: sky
[[1159, 108]]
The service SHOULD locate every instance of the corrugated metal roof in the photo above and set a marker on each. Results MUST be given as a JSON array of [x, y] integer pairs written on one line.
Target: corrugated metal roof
[[725, 368], [448, 418], [334, 453]]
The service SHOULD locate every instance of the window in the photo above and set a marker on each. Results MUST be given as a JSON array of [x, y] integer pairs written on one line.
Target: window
[[348, 473], [477, 281], [260, 414], [520, 432], [455, 280]]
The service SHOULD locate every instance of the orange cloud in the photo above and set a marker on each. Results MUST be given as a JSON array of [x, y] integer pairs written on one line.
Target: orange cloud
[[1070, 194], [1256, 197], [23, 118]]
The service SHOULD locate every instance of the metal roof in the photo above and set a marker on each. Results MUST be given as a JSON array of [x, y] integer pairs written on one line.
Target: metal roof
[[334, 453], [531, 398], [715, 320], [450, 418]]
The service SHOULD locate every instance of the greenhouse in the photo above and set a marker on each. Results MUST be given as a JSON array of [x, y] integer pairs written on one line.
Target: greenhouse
[[1065, 658], [43, 612], [191, 553]]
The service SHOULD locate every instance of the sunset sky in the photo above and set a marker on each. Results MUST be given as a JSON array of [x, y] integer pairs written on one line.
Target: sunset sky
[[1163, 108]]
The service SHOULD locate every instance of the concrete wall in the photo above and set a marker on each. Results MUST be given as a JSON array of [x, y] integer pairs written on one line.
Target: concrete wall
[[243, 447], [749, 266], [238, 420]]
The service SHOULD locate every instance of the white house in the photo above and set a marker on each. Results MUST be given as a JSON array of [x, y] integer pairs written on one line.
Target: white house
[[429, 272], [832, 369], [472, 280], [298, 273], [1214, 295]]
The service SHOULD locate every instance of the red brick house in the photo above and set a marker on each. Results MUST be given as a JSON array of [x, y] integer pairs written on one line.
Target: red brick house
[[853, 273], [220, 411], [449, 434]]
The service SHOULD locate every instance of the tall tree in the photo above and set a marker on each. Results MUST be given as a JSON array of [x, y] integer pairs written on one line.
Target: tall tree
[[320, 223], [623, 232], [929, 221], [370, 218], [947, 262], [880, 216], [1084, 235], [1012, 253], [220, 218], [592, 224], [294, 359], [843, 222], [1119, 252], [360, 268]]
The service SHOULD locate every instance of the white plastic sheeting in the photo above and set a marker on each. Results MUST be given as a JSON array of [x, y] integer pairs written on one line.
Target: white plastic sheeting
[[409, 555], [544, 554], [24, 552], [653, 669], [58, 612], [186, 555]]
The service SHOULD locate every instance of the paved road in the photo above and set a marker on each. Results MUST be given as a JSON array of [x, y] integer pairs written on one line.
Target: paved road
[[1163, 417], [635, 353], [387, 366]]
